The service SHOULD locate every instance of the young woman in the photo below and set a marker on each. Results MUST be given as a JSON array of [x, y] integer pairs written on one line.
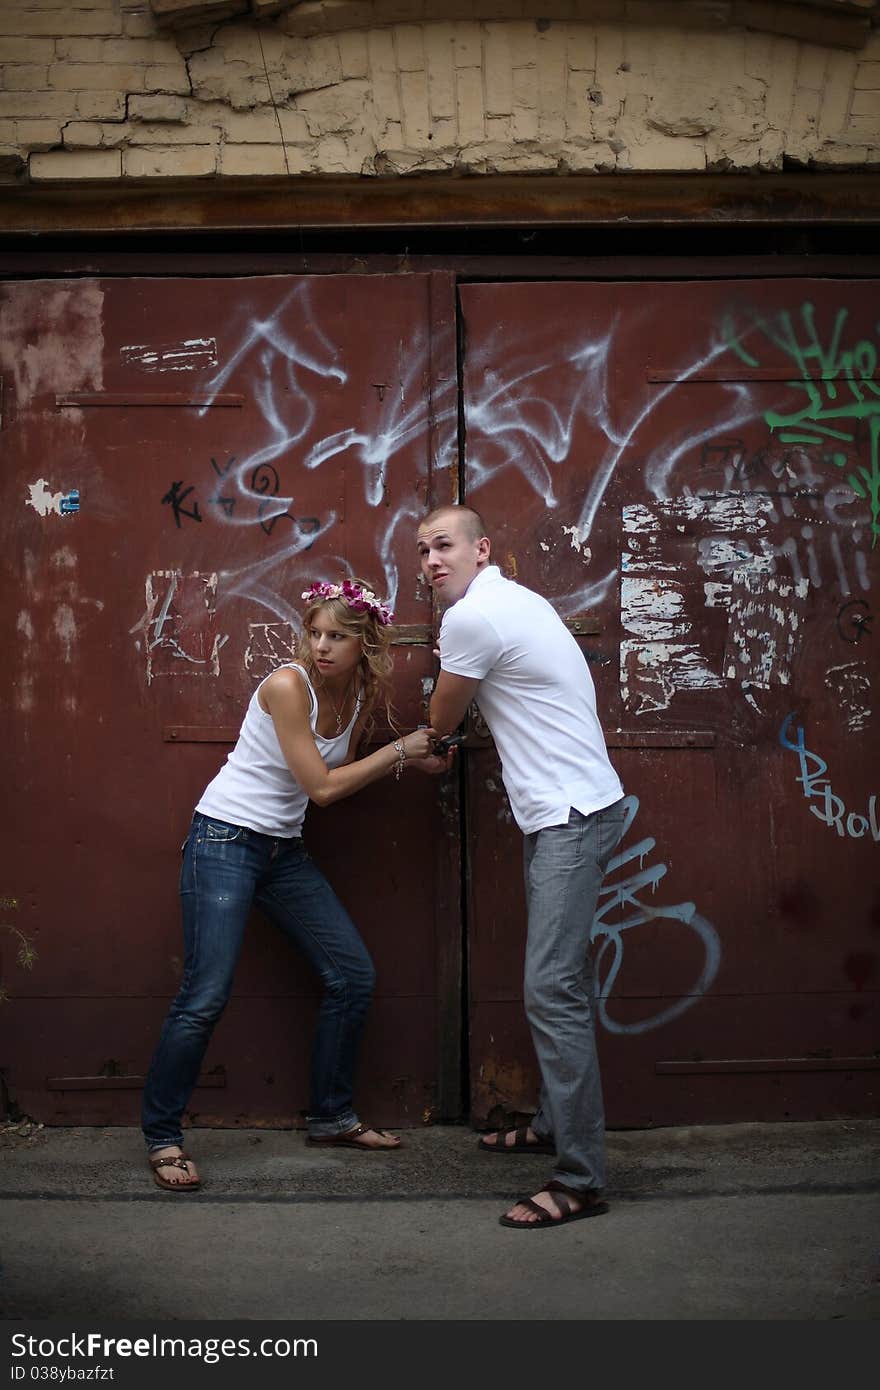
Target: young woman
[[297, 744]]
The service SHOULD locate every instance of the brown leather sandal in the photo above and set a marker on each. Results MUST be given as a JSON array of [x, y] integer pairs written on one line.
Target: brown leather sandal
[[565, 1209], [173, 1161], [521, 1143], [351, 1139]]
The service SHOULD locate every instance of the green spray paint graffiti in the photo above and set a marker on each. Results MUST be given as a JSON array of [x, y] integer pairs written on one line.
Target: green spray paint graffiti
[[840, 393]]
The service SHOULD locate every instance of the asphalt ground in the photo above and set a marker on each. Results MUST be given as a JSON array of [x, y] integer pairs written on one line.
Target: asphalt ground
[[728, 1223]]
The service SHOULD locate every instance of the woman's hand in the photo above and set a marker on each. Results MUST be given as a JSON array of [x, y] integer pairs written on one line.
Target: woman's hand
[[427, 757], [419, 749], [419, 743]]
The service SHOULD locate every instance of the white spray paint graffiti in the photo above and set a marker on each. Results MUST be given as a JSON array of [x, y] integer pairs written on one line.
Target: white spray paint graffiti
[[518, 428], [286, 348], [516, 424], [762, 580], [511, 425], [511, 420]]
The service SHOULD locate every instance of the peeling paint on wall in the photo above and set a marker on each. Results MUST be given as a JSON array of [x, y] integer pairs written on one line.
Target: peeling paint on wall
[[64, 624], [179, 625], [661, 653], [653, 609], [851, 684], [578, 536], [42, 500], [652, 672], [187, 356], [718, 553], [765, 617], [39, 320], [269, 646], [749, 513]]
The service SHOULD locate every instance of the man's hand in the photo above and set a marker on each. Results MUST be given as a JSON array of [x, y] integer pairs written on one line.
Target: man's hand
[[434, 763]]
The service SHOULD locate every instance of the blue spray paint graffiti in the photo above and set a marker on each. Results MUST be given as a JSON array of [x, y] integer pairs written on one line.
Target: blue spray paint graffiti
[[817, 785], [623, 895]]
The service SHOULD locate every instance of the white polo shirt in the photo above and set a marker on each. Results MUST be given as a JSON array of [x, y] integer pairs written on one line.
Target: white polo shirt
[[536, 695]]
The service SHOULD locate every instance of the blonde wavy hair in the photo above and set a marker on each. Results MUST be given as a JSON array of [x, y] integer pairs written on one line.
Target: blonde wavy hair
[[376, 664]]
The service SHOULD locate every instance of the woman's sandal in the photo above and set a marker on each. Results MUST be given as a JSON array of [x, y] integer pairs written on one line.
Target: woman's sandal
[[520, 1143], [565, 1208], [351, 1139], [173, 1161]]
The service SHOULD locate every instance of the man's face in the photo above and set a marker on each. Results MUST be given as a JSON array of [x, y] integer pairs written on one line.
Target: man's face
[[449, 557]]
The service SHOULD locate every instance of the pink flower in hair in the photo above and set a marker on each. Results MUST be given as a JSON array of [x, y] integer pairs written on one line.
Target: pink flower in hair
[[358, 598]]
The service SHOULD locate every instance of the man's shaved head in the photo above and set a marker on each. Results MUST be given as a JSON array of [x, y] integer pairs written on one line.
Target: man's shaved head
[[473, 524]]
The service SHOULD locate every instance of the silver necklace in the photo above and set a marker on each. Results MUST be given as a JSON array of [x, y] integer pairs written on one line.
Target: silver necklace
[[336, 709]]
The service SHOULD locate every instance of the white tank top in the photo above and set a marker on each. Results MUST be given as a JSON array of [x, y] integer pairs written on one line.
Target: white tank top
[[255, 787]]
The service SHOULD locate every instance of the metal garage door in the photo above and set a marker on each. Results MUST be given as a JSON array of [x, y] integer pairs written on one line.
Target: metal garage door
[[690, 472], [180, 458]]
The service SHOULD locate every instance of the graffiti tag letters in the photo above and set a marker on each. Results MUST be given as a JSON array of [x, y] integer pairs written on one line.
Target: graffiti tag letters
[[816, 784], [623, 896], [839, 390]]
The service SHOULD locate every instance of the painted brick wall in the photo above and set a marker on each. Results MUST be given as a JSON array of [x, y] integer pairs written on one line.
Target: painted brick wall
[[98, 89]]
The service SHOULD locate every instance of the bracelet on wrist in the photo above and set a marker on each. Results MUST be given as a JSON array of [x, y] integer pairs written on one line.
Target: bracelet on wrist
[[401, 758]]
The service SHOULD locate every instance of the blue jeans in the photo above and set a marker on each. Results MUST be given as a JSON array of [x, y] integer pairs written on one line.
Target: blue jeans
[[226, 870], [564, 868]]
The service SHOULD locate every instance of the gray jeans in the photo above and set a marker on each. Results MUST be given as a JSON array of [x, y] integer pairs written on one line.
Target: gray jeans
[[564, 868]]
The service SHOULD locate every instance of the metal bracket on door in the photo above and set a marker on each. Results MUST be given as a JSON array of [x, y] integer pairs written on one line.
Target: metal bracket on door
[[128, 398]]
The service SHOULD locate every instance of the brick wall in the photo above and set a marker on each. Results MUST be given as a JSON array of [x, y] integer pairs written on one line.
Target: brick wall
[[100, 89]]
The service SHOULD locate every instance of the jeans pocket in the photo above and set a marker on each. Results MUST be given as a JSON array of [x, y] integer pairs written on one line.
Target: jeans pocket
[[218, 832], [611, 827]]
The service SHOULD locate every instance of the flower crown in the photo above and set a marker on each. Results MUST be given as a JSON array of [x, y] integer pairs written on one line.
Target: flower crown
[[359, 599]]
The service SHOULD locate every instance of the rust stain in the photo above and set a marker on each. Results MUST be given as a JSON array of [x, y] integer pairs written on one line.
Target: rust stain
[[501, 1088]]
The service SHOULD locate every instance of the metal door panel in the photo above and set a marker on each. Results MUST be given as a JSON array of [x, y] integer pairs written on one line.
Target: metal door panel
[[229, 440], [646, 1083], [690, 473]]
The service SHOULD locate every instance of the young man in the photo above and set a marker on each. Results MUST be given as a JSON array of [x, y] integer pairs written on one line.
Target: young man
[[506, 647]]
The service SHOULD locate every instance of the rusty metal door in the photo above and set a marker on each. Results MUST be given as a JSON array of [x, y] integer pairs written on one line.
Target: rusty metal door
[[690, 473], [180, 458]]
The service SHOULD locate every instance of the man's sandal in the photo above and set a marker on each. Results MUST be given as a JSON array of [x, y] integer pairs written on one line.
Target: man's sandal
[[520, 1143], [352, 1139], [560, 1194], [173, 1161]]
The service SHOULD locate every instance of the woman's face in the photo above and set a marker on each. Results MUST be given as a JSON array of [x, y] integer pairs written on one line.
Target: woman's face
[[335, 653]]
